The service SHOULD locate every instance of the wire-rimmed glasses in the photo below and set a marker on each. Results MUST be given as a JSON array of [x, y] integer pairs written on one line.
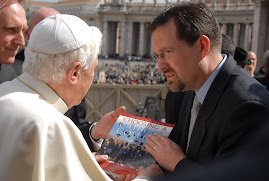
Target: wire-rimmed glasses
[[164, 55]]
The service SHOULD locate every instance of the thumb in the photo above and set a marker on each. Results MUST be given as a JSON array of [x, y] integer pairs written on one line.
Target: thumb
[[101, 158], [115, 114]]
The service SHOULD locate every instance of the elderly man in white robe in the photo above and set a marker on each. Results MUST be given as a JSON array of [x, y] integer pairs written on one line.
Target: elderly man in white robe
[[37, 142]]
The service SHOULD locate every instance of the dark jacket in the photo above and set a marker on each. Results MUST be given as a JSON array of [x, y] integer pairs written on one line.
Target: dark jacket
[[10, 71], [235, 105], [263, 79]]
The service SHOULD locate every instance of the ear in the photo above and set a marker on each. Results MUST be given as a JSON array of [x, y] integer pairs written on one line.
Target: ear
[[204, 44], [74, 73]]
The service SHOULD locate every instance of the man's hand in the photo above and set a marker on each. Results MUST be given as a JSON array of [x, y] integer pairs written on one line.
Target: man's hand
[[165, 151], [126, 177], [103, 127], [100, 158], [151, 171]]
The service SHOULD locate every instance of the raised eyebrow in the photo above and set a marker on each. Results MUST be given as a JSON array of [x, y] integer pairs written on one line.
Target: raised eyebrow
[[162, 49], [165, 50], [11, 26], [8, 27], [15, 26]]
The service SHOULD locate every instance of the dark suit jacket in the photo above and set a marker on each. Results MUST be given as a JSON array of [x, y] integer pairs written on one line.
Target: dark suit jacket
[[249, 164], [173, 102], [10, 71], [263, 79], [235, 105]]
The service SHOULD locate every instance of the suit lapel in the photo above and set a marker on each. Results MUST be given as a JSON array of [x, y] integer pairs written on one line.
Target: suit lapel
[[184, 119], [210, 102]]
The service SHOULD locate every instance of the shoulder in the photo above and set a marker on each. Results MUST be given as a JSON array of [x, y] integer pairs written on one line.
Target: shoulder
[[237, 85], [32, 116], [25, 105]]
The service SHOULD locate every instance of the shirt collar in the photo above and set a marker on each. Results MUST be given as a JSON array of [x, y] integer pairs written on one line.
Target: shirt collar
[[45, 91], [201, 93]]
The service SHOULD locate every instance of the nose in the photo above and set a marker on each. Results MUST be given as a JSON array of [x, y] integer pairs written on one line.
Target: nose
[[162, 65], [19, 40]]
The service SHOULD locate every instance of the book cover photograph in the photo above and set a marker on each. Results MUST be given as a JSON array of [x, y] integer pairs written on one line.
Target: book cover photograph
[[125, 144]]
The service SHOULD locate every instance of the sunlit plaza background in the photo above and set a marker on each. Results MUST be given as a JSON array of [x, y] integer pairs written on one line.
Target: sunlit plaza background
[[126, 55]]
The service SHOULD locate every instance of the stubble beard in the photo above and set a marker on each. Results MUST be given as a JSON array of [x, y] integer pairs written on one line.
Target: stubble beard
[[177, 86]]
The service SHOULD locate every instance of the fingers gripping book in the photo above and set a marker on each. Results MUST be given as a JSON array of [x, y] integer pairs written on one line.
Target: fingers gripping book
[[125, 144]]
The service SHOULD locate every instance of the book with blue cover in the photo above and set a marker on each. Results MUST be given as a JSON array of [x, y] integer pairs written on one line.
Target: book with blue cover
[[125, 144]]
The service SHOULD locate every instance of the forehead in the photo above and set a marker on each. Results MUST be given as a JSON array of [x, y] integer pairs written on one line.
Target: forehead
[[166, 30], [251, 54], [165, 35], [13, 15]]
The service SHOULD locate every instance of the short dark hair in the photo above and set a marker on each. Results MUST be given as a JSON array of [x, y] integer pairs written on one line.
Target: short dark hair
[[192, 20], [227, 45]]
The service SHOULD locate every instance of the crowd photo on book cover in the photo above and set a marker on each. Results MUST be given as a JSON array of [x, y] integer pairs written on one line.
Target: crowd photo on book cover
[[125, 144]]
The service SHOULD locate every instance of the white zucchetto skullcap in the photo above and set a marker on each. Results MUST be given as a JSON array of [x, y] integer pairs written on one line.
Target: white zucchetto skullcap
[[59, 34]]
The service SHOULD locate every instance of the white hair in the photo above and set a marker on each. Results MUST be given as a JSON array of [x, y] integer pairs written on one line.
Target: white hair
[[53, 67]]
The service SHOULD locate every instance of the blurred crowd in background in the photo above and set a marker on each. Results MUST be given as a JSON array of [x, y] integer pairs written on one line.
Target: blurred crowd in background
[[128, 72]]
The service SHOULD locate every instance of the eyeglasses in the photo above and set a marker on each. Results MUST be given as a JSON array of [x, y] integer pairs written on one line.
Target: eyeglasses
[[164, 55]]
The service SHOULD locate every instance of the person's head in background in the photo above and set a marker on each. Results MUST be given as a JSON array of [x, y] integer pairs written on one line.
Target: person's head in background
[[227, 45], [66, 60], [265, 68], [253, 59], [241, 57], [37, 16], [12, 25]]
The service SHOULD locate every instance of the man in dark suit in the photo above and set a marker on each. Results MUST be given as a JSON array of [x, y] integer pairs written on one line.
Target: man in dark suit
[[264, 78], [173, 100], [248, 164], [187, 44]]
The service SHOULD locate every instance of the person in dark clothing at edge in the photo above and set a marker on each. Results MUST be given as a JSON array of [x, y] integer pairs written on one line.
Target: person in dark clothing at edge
[[187, 45]]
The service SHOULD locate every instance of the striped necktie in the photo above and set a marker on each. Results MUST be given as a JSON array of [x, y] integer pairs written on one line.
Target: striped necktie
[[194, 112]]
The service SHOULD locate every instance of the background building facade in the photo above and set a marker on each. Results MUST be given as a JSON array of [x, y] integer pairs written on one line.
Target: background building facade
[[124, 22]]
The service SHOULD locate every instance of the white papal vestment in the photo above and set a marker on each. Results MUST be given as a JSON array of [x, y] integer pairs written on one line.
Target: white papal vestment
[[37, 142]]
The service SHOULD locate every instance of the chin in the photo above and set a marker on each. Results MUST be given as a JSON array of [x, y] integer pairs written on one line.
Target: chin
[[173, 88], [176, 87], [79, 102], [8, 61]]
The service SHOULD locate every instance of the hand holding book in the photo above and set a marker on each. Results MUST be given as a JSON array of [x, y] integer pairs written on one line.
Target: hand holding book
[[149, 172], [125, 144], [102, 128], [158, 146]]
